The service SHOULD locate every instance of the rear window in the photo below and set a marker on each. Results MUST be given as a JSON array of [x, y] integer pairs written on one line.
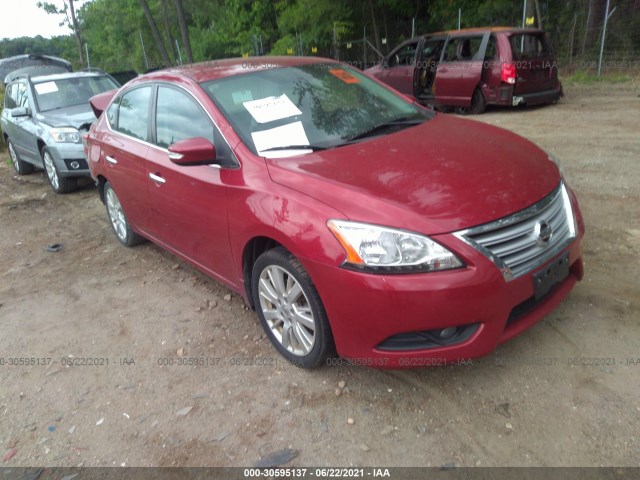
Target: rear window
[[529, 45]]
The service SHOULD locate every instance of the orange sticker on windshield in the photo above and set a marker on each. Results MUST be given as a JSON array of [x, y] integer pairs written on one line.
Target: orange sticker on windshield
[[343, 75]]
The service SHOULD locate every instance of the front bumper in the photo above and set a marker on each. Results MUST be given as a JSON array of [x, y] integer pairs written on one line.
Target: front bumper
[[366, 310], [69, 159]]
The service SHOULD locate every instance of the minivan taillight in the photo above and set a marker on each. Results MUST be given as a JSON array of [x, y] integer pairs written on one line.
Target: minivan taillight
[[508, 73]]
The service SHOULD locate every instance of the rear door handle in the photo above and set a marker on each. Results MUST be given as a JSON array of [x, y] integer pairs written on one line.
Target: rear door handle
[[157, 178], [111, 160]]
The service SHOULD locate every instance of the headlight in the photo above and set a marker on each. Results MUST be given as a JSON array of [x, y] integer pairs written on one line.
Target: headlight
[[65, 135], [384, 249]]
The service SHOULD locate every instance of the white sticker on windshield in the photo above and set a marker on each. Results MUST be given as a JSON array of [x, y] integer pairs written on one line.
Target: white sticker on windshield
[[46, 87], [292, 134], [269, 109]]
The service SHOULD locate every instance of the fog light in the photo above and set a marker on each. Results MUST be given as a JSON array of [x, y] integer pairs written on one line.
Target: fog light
[[447, 332], [75, 165]]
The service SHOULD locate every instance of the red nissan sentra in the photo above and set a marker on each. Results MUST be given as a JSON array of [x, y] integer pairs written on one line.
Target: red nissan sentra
[[351, 218]]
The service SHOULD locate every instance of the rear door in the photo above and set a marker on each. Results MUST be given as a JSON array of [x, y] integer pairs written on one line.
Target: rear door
[[400, 67], [460, 69], [124, 150], [188, 204], [536, 69]]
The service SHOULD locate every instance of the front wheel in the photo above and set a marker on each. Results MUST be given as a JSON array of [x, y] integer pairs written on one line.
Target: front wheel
[[58, 184], [118, 219], [21, 167], [290, 309]]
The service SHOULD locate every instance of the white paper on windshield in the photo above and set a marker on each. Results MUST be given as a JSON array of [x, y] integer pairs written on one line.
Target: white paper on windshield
[[241, 96], [46, 87], [269, 109], [291, 134]]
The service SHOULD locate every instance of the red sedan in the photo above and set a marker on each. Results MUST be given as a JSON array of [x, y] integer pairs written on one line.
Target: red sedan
[[352, 219]]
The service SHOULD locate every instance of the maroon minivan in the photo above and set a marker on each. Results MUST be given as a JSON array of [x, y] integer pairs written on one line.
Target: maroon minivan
[[472, 68]]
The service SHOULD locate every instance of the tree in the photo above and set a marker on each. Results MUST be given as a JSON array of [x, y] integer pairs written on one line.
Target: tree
[[155, 32], [184, 30], [69, 11]]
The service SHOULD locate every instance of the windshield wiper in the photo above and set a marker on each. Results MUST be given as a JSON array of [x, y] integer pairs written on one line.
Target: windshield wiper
[[383, 126], [313, 148]]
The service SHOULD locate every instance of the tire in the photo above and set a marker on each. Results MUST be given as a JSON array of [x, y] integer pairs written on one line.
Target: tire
[[118, 219], [58, 184], [277, 276], [477, 104], [21, 167]]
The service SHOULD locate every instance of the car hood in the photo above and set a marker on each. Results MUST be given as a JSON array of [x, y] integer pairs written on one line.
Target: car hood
[[76, 116], [443, 175]]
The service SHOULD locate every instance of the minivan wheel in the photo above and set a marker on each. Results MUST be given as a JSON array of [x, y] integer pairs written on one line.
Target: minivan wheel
[[290, 309], [21, 167], [118, 219], [58, 184], [477, 104]]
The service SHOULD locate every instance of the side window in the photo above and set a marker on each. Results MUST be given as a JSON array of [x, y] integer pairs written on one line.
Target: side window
[[405, 56], [133, 117], [112, 114], [179, 117], [492, 49], [22, 96], [9, 97], [462, 49]]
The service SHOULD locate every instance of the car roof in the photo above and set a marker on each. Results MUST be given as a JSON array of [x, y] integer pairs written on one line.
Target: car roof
[[486, 29], [65, 76], [215, 69]]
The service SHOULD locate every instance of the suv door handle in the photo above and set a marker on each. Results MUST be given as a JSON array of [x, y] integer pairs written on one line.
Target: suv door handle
[[157, 178], [111, 160]]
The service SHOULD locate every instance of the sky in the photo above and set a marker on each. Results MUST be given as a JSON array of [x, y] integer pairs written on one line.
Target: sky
[[22, 18]]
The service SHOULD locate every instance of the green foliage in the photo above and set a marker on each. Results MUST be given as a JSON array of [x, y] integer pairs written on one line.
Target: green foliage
[[586, 78]]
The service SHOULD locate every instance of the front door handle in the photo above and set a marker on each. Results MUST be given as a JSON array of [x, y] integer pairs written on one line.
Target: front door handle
[[111, 160], [157, 178]]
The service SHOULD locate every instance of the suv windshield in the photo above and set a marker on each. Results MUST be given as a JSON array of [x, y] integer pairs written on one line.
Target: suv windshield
[[67, 92], [319, 106]]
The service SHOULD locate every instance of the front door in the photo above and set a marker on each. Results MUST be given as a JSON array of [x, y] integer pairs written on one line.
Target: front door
[[400, 68], [188, 204]]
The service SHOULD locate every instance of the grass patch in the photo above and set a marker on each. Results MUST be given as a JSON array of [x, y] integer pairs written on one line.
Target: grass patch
[[588, 78]]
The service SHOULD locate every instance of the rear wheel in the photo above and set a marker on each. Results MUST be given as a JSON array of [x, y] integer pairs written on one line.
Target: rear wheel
[[118, 219], [21, 167], [58, 184], [290, 309], [477, 104]]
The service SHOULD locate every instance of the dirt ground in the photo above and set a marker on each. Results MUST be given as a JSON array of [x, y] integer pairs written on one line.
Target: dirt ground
[[141, 309]]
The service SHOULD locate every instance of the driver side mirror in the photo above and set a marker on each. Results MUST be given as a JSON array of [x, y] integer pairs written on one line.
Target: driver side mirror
[[193, 151], [20, 112]]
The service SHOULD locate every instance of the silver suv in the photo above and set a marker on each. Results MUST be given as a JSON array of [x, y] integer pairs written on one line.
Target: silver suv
[[43, 120]]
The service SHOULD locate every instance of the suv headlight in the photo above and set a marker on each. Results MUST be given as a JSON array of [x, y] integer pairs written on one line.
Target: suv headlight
[[65, 135], [387, 250]]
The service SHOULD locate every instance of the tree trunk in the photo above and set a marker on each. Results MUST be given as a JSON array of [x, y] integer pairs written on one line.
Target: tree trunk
[[376, 34], [76, 31], [167, 26], [155, 32], [184, 30], [538, 15]]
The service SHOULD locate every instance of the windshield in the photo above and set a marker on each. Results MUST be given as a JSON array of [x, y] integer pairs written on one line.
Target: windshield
[[278, 111], [56, 94]]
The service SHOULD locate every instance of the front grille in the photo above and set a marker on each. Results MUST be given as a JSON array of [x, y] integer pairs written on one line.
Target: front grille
[[521, 242]]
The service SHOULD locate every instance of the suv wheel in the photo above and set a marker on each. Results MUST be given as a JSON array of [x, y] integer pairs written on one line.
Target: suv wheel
[[290, 309], [21, 167], [118, 219], [58, 184]]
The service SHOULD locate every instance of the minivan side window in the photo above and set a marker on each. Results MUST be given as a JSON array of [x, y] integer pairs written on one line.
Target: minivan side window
[[133, 117], [405, 56], [462, 49], [178, 117]]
